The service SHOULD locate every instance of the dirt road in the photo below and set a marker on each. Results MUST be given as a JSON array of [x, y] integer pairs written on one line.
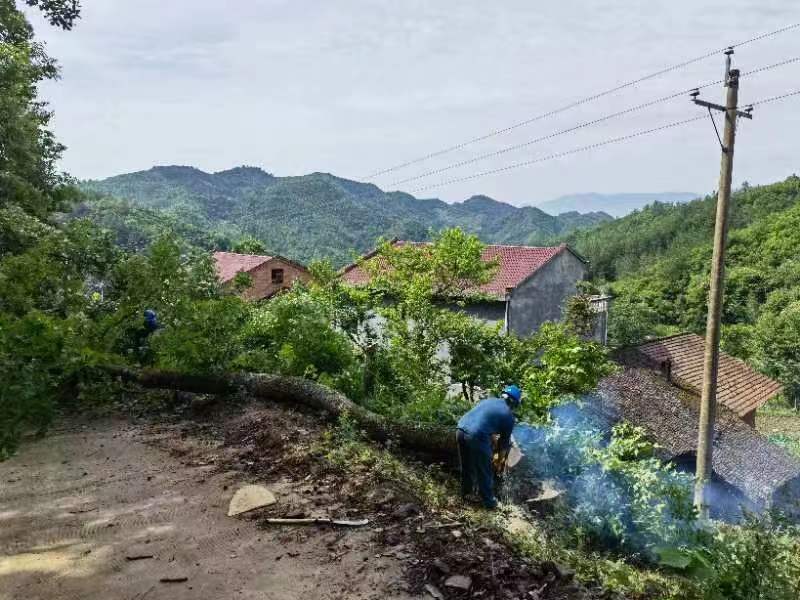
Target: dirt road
[[109, 510], [137, 510]]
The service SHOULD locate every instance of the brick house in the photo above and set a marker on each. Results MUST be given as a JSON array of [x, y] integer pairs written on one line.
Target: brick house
[[529, 287], [270, 274], [679, 358]]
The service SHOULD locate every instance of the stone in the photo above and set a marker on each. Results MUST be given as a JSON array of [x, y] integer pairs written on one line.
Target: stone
[[250, 497], [459, 582], [441, 566], [405, 511], [434, 591]]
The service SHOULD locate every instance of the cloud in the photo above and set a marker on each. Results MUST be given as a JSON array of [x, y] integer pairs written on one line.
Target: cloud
[[354, 86]]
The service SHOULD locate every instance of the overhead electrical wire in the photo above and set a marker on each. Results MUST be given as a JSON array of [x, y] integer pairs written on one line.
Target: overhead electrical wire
[[583, 125], [588, 147], [577, 103], [775, 98]]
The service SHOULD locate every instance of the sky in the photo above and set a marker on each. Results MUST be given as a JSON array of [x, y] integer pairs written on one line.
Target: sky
[[355, 86]]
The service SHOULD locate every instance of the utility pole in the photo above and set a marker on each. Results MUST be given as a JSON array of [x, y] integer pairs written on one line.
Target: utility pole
[[708, 399]]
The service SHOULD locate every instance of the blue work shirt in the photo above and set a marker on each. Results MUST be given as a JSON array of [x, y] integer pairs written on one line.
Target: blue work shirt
[[487, 418]]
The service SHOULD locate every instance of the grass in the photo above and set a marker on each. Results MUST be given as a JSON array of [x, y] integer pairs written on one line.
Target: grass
[[780, 424], [345, 447]]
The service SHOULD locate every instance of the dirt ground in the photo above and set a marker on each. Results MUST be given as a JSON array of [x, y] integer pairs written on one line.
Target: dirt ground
[[129, 509]]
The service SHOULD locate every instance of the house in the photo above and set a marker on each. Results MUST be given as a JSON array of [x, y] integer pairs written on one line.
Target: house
[[529, 287], [269, 274], [748, 471], [740, 388]]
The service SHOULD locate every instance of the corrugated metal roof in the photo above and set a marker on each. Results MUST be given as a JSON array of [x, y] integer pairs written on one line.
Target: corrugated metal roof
[[739, 387], [516, 263]]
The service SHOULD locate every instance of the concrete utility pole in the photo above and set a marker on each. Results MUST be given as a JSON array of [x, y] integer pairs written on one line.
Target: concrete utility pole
[[708, 399]]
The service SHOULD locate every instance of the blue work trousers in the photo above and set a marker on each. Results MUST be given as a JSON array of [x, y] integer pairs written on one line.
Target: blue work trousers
[[475, 455]]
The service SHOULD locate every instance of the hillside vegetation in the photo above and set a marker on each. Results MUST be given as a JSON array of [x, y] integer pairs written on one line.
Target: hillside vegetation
[[308, 217], [657, 263], [616, 205]]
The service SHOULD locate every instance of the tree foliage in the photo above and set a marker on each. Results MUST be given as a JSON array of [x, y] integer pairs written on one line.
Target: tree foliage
[[656, 262], [320, 216]]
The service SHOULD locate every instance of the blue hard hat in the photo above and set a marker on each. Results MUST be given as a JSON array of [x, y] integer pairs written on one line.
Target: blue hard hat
[[514, 394]]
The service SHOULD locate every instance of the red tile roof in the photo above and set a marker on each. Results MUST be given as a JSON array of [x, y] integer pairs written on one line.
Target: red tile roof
[[516, 263], [228, 264], [739, 387]]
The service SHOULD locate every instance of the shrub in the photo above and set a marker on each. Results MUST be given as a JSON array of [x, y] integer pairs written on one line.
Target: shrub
[[566, 366], [758, 560], [621, 497], [204, 338], [294, 334]]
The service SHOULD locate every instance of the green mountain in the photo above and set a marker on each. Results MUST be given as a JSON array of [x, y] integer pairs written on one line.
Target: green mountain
[[311, 216], [657, 262], [616, 205]]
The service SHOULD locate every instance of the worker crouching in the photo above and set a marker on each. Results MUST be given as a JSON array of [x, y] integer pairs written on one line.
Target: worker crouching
[[490, 417]]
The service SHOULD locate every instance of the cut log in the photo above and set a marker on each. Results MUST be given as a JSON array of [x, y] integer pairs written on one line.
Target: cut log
[[296, 390]]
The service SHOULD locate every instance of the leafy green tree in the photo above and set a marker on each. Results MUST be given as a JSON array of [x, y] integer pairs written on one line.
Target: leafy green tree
[[630, 322], [566, 366], [205, 338], [776, 347], [249, 245], [31, 186], [294, 334]]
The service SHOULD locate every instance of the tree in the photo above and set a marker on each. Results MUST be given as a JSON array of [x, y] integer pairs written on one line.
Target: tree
[[776, 347], [249, 245], [61, 13], [31, 187]]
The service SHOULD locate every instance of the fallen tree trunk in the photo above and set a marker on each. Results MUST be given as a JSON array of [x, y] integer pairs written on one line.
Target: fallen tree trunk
[[296, 390]]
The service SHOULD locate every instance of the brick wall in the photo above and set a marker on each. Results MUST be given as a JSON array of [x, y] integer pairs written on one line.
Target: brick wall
[[263, 286]]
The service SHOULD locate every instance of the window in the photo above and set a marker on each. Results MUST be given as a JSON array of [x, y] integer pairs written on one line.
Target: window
[[277, 275]]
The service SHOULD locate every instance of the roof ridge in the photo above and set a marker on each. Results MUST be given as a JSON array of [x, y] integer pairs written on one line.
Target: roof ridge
[[243, 254], [667, 337], [525, 246]]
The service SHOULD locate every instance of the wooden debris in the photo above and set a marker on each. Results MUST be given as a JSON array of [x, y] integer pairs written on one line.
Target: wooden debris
[[139, 557], [173, 579], [318, 521], [296, 390], [460, 582]]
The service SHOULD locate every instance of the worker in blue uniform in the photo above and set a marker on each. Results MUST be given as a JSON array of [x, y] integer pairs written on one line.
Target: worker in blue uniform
[[490, 417]]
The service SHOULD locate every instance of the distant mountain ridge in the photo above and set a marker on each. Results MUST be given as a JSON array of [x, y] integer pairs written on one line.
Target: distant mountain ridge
[[616, 205], [311, 216]]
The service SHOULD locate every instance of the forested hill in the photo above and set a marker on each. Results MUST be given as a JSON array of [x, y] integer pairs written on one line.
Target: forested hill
[[311, 216], [658, 260], [616, 205]]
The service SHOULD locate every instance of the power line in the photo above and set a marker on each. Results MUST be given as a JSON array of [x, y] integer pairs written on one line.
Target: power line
[[774, 98], [585, 124], [561, 154], [577, 103], [788, 61], [552, 135], [588, 147]]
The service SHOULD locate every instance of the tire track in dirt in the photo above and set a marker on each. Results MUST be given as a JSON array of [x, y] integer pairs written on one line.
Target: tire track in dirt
[[79, 503]]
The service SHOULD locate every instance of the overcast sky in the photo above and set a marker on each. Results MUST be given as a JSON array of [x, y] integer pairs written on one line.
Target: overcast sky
[[353, 86]]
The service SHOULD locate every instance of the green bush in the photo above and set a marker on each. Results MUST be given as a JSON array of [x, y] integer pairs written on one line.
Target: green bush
[[566, 366], [294, 334], [204, 338], [758, 560]]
